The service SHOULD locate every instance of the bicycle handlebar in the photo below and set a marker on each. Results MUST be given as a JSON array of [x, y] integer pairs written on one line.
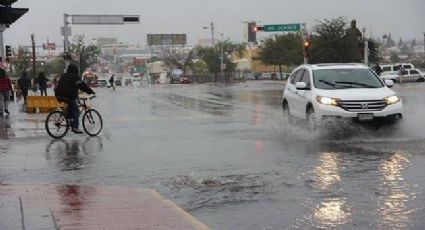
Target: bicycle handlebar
[[87, 98]]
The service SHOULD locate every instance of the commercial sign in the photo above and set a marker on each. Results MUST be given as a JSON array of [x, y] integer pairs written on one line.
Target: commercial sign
[[166, 39]]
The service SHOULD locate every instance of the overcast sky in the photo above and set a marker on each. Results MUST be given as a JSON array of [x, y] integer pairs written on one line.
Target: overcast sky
[[401, 18]]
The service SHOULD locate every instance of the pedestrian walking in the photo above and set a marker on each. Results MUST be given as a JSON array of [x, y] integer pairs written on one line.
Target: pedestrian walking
[[5, 92], [377, 69], [24, 83], [112, 81], [42, 83]]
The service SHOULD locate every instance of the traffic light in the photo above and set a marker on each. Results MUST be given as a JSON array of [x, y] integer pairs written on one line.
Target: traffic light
[[259, 28], [9, 15], [252, 32], [306, 46], [8, 51]]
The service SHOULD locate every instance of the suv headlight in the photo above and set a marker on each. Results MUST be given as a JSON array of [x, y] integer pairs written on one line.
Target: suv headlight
[[327, 100], [392, 100]]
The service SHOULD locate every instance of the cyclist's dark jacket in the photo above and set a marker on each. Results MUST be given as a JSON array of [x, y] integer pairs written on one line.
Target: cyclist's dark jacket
[[69, 84]]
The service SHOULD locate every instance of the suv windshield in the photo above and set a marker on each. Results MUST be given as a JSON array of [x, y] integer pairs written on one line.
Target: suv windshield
[[345, 78]]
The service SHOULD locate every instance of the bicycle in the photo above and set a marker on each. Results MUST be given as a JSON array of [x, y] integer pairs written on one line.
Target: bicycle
[[58, 121]]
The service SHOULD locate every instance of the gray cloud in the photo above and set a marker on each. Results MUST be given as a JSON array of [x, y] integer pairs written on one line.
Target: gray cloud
[[404, 19]]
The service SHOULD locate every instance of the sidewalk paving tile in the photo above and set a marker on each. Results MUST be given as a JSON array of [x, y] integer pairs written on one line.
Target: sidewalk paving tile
[[74, 207]]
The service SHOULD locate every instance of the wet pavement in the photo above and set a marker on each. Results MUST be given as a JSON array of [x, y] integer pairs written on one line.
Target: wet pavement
[[89, 207], [225, 155]]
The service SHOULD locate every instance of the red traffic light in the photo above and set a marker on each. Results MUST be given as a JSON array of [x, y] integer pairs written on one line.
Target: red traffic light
[[259, 28], [306, 44]]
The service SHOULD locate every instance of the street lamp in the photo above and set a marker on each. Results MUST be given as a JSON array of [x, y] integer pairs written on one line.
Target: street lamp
[[424, 44], [33, 55], [212, 32]]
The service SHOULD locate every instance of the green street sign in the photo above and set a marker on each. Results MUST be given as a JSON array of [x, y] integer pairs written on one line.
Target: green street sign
[[283, 27]]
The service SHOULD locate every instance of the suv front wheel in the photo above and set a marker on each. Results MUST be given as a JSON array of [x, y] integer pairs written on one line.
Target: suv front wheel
[[285, 110], [311, 120]]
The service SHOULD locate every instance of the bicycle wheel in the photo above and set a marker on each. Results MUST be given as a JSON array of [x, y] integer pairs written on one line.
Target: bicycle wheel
[[56, 124], [92, 122]]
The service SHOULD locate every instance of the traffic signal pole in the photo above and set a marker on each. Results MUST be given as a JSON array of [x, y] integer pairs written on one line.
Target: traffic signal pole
[[65, 34], [2, 29]]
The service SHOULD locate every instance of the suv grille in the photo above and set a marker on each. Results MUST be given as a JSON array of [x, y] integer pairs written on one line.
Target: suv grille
[[363, 106]]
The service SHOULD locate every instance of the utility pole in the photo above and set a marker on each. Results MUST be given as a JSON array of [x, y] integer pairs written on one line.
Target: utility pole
[[65, 34], [212, 33], [33, 57], [424, 44], [2, 29]]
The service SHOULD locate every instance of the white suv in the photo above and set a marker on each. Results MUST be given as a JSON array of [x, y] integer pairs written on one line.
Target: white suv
[[317, 92]]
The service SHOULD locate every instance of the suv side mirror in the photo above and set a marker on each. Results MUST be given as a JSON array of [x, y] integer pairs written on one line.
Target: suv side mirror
[[301, 85], [389, 83]]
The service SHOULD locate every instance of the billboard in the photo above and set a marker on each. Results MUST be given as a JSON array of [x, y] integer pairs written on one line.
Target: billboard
[[166, 39]]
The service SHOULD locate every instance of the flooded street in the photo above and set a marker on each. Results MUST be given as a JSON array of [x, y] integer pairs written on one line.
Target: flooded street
[[225, 155]]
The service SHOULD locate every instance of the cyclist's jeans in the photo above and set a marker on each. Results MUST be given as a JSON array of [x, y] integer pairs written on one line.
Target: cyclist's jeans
[[75, 113]]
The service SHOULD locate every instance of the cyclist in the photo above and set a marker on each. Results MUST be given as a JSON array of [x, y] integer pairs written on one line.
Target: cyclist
[[67, 91]]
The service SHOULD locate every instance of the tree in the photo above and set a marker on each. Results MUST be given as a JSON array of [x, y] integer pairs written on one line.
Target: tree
[[199, 66], [329, 43], [333, 42], [390, 41], [281, 50], [56, 66], [413, 44], [394, 58], [21, 62], [87, 54], [400, 43], [212, 57], [177, 58], [374, 56]]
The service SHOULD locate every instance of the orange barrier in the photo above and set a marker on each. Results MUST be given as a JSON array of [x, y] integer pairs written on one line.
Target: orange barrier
[[42, 104]]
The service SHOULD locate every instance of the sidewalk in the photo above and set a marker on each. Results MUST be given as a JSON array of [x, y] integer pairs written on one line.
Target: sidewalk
[[66, 207], [22, 125]]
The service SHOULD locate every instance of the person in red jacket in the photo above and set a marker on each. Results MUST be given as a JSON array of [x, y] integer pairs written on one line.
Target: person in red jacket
[[5, 91]]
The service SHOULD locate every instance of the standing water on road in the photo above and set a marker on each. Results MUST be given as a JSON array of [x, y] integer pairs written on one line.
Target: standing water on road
[[225, 154]]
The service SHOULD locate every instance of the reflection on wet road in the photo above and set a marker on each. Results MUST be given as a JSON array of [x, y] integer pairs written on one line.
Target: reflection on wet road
[[225, 154]]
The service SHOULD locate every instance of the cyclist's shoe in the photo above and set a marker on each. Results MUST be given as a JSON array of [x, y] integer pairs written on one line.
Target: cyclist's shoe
[[7, 111], [76, 131]]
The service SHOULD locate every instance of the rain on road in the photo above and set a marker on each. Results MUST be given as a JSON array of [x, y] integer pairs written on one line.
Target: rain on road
[[224, 154]]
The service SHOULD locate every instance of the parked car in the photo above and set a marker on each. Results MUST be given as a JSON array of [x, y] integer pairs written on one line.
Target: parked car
[[265, 76], [322, 92], [126, 81]]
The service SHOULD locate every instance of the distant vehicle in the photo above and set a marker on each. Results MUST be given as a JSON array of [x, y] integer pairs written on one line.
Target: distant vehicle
[[406, 75], [396, 67], [390, 75], [184, 79], [323, 93], [137, 80], [102, 82], [126, 81], [265, 76], [175, 75], [118, 82]]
